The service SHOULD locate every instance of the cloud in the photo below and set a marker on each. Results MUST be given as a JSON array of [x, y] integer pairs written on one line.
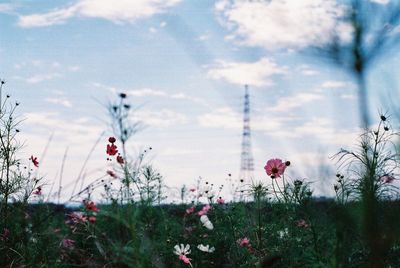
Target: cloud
[[382, 2], [160, 119], [227, 118], [37, 78], [61, 101], [121, 11], [6, 7], [334, 84], [257, 73], [283, 24], [291, 102], [304, 69], [146, 92]]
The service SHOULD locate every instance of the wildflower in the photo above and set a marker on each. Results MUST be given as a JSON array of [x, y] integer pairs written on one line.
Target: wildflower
[[5, 235], [90, 205], [112, 173], [192, 189], [220, 201], [275, 168], [67, 243], [77, 217], [206, 222], [204, 210], [38, 191], [206, 248], [111, 149], [182, 250], [302, 223], [244, 242], [111, 139], [120, 159], [387, 178], [34, 161], [190, 210], [283, 233], [92, 219]]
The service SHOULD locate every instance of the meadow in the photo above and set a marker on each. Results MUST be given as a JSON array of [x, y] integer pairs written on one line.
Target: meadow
[[272, 222]]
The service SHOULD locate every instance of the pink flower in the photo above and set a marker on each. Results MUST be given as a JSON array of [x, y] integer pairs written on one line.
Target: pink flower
[[34, 161], [67, 243], [38, 191], [185, 259], [302, 223], [387, 178], [220, 201], [204, 210], [192, 189], [275, 168], [244, 242], [92, 219], [190, 210]]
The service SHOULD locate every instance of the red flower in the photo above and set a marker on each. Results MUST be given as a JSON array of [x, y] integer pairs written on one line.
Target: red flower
[[275, 168], [92, 219], [120, 159], [34, 161], [90, 205], [111, 139], [112, 149]]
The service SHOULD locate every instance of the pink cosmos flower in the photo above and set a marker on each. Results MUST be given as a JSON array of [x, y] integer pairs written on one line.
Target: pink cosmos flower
[[204, 210], [302, 223], [220, 201], [111, 149], [38, 191], [387, 179], [185, 259], [67, 243], [244, 242], [275, 168], [190, 210]]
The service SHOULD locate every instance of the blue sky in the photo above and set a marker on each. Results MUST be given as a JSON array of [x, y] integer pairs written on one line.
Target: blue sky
[[184, 65]]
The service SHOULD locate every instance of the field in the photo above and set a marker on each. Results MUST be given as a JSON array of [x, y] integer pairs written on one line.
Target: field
[[272, 223]]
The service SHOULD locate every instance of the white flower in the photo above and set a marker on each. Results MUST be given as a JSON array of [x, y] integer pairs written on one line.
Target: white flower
[[206, 248], [206, 222], [283, 233], [182, 249]]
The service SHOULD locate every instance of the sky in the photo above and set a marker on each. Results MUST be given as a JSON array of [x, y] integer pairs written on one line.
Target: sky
[[183, 65]]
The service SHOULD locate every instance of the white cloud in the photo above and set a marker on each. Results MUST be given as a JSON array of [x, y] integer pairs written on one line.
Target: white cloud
[[116, 11], [161, 118], [304, 69], [382, 2], [291, 102], [334, 84], [61, 101], [37, 78], [283, 24], [146, 92], [6, 7], [254, 73], [227, 118]]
